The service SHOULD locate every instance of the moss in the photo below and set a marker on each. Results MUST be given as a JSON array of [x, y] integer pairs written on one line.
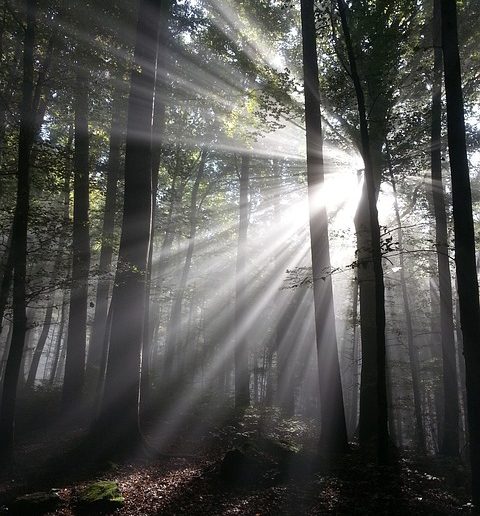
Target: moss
[[102, 492]]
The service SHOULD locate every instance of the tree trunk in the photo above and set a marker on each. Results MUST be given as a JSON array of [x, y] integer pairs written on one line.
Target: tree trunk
[[373, 427], [464, 233], [158, 129], [106, 253], [449, 445], [334, 431], [19, 242], [242, 373], [120, 404], [353, 419], [175, 331], [58, 342], [6, 279], [32, 373], [77, 321], [412, 351]]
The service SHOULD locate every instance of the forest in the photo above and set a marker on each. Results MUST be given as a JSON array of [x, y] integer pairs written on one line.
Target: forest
[[239, 257]]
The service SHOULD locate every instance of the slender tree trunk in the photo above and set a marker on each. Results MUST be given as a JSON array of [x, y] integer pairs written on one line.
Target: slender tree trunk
[[464, 233], [120, 404], [158, 128], [106, 252], [412, 351], [39, 114], [334, 431], [373, 427], [47, 322], [58, 342], [287, 341], [242, 373], [19, 242], [175, 332], [449, 445], [353, 419], [77, 321]]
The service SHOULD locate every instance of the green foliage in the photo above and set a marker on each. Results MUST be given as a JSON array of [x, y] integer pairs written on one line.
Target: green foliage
[[103, 493]]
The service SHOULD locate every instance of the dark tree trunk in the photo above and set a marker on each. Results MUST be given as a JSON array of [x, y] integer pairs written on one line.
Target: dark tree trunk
[[6, 349], [449, 445], [120, 404], [19, 242], [6, 279], [77, 321], [242, 372], [106, 252], [334, 431], [373, 425], [464, 233]]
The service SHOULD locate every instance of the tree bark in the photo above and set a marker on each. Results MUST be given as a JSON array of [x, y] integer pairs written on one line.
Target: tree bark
[[334, 431], [120, 404], [449, 445], [464, 233]]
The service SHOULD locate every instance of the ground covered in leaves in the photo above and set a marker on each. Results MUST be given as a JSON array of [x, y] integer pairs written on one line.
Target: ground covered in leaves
[[276, 476]]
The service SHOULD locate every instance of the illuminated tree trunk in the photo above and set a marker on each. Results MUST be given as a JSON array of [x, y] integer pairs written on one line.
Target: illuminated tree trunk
[[32, 373], [353, 417], [412, 351], [106, 253], [334, 432], [19, 242], [58, 342], [158, 129], [120, 404], [77, 321], [450, 442], [242, 372], [175, 333], [373, 424], [464, 233]]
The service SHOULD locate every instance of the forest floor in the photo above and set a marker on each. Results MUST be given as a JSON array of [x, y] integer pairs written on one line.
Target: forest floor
[[197, 484]]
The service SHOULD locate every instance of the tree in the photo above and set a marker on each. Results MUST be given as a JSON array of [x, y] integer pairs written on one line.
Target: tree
[[373, 393], [106, 254], [242, 373], [334, 432], [19, 240], [77, 321], [120, 403], [465, 258], [450, 442]]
